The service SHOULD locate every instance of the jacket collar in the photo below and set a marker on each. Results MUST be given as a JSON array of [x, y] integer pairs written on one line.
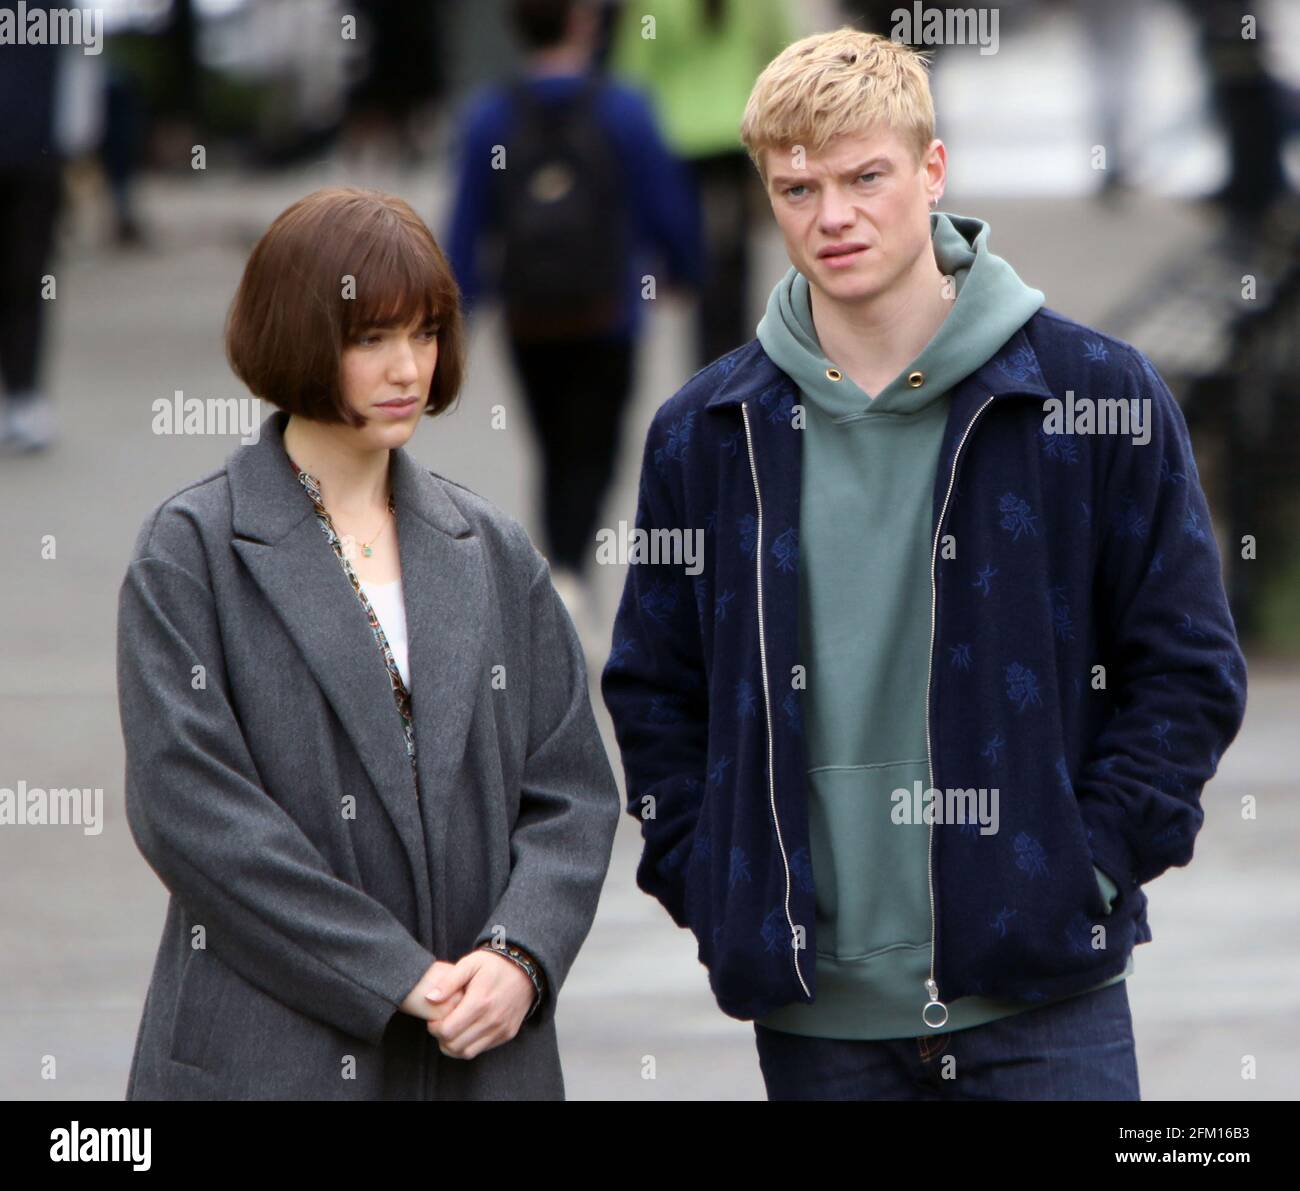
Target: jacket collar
[[445, 588], [269, 501], [1013, 370]]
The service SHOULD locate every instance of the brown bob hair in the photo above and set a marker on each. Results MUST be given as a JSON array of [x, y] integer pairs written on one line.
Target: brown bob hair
[[339, 262]]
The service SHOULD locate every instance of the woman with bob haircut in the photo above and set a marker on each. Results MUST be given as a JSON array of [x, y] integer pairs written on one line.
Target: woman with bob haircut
[[360, 749]]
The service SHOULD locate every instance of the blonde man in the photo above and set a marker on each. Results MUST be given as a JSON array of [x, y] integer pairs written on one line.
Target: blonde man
[[945, 691]]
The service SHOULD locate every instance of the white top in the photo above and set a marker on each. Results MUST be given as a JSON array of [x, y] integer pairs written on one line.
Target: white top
[[386, 600]]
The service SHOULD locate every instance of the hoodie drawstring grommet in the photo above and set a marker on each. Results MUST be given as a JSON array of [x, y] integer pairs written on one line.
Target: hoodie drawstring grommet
[[916, 379], [834, 374]]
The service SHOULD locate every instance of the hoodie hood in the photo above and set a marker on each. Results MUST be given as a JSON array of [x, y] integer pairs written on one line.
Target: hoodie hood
[[992, 303]]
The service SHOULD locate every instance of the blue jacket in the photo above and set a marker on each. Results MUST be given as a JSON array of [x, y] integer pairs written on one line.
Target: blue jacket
[[1083, 662], [660, 193]]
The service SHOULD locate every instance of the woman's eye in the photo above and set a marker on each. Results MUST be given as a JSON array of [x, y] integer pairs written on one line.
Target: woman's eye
[[429, 333]]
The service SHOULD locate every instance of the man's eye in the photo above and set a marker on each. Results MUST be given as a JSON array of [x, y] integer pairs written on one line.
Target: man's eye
[[790, 190], [872, 175]]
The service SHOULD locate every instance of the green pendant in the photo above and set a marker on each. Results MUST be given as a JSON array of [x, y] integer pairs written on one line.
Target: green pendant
[[366, 551]]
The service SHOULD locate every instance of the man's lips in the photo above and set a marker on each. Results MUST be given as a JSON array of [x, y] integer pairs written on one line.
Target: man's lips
[[847, 249], [842, 256]]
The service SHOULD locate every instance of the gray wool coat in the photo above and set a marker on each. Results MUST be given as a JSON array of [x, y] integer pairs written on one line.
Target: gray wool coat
[[268, 785]]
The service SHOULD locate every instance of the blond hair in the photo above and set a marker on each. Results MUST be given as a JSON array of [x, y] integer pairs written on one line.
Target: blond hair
[[838, 83]]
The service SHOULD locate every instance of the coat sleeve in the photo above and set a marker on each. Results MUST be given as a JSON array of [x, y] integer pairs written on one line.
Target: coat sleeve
[[563, 835], [472, 206], [240, 865], [662, 192], [1169, 646], [655, 687]]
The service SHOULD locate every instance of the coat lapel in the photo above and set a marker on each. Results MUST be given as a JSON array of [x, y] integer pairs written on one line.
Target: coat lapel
[[445, 584], [277, 536]]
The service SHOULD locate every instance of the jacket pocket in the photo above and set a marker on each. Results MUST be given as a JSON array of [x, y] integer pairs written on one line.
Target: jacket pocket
[[1109, 890], [259, 1048], [1102, 894], [198, 1003], [696, 886]]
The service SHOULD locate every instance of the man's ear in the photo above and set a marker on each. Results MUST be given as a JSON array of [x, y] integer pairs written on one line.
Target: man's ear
[[942, 160]]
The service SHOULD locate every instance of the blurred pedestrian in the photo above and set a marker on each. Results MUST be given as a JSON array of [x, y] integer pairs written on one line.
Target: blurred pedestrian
[[1113, 36], [1250, 103], [401, 83], [698, 60], [120, 149], [31, 196], [566, 185]]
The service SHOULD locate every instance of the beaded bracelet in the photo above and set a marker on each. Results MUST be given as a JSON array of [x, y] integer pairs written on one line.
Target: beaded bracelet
[[522, 959]]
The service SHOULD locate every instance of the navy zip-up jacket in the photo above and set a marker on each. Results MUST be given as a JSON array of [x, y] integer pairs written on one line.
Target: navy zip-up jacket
[[1096, 681]]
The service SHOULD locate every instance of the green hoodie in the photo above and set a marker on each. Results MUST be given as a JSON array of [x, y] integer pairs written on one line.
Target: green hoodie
[[866, 524]]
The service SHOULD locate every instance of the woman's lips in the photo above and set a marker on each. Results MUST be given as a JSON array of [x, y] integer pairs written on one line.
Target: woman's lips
[[398, 409]]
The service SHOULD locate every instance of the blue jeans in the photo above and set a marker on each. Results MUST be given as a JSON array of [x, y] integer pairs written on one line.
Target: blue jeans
[[1080, 1048]]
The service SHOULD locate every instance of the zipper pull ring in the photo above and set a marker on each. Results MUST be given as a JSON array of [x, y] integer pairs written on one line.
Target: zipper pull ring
[[933, 989]]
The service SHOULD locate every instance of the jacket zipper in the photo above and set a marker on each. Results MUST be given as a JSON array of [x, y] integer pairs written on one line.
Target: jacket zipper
[[767, 701], [931, 986]]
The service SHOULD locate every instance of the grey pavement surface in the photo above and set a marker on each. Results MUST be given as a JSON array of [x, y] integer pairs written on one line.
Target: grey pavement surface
[[1219, 982]]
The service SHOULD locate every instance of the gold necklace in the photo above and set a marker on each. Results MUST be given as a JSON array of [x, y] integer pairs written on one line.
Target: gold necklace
[[366, 546]]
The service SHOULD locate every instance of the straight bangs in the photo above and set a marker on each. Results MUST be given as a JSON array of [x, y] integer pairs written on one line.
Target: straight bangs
[[398, 279]]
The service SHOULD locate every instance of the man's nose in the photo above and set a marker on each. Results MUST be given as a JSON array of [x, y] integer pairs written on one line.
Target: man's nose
[[836, 211]]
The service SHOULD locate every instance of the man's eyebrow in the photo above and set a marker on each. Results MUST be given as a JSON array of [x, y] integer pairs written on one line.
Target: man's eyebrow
[[866, 165], [802, 179]]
